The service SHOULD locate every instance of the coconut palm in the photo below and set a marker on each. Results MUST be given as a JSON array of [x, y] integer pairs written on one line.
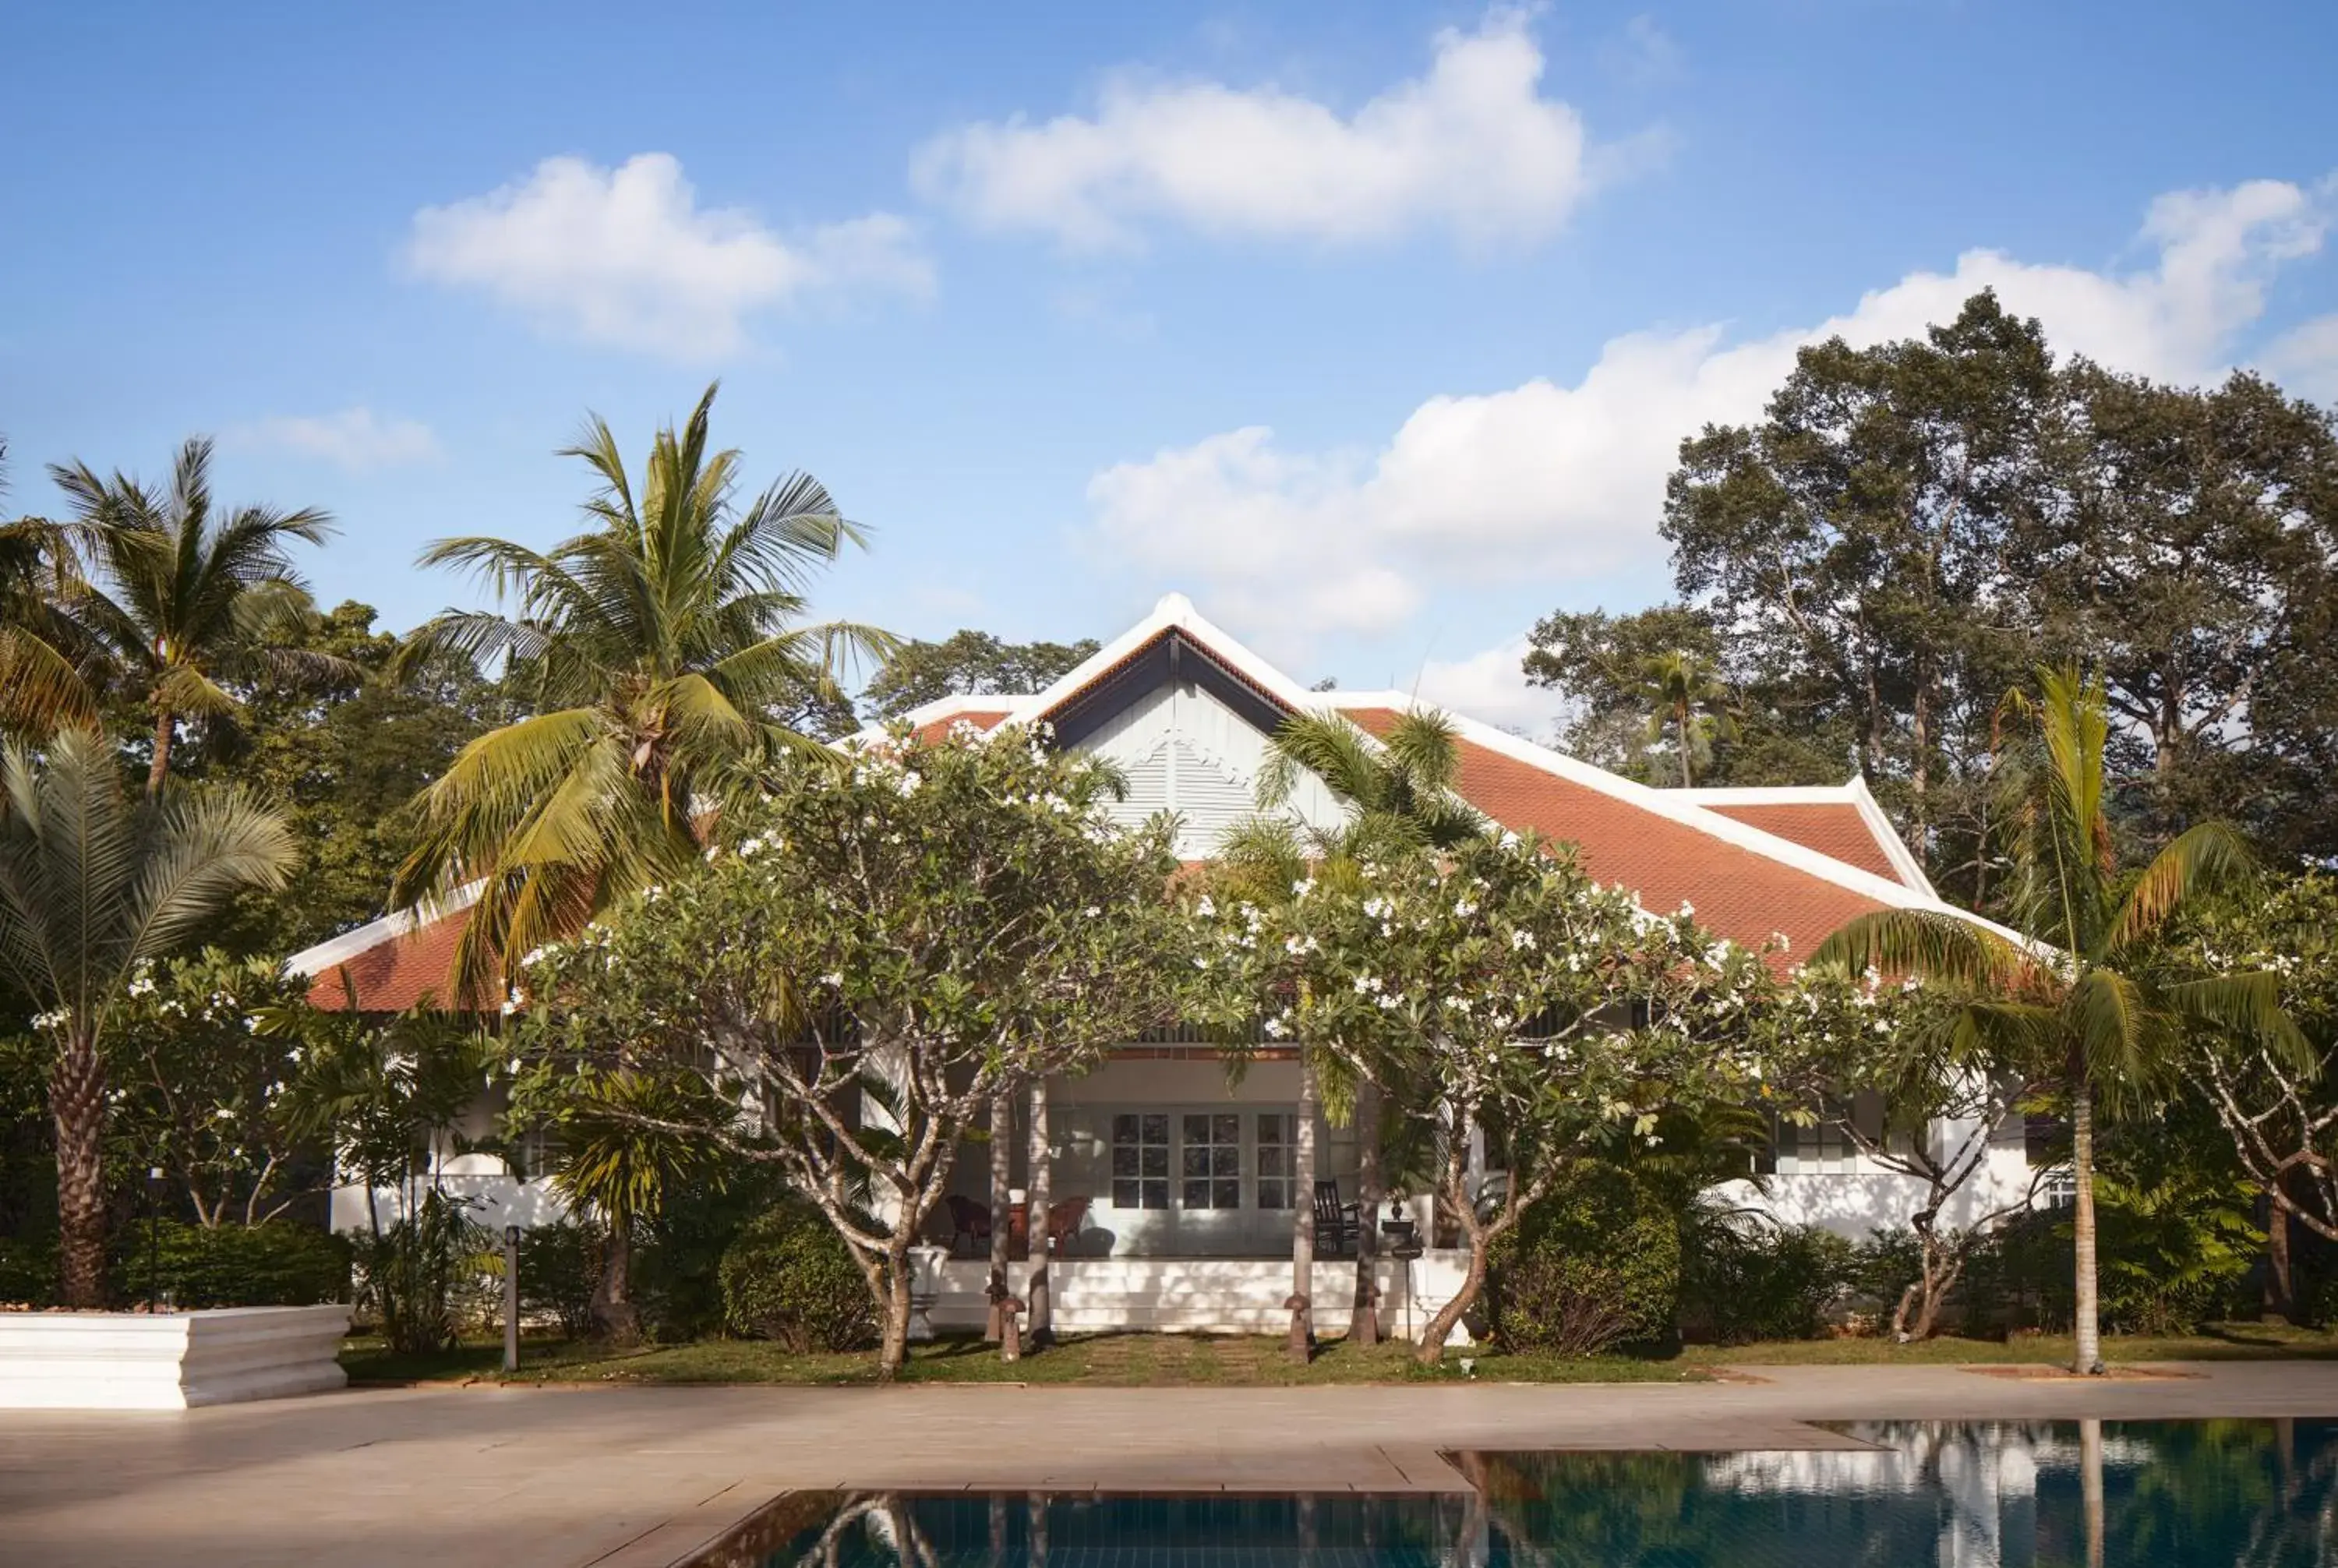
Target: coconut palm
[[91, 886], [185, 600], [659, 646], [623, 1142], [1688, 701], [43, 681], [2075, 997], [1399, 789]]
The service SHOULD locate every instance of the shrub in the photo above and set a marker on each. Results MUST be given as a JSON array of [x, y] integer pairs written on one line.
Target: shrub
[[427, 1276], [1745, 1278], [28, 1270], [559, 1267], [1594, 1265], [678, 1256], [276, 1263], [788, 1277]]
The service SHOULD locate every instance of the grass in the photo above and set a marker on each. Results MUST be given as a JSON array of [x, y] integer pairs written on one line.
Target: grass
[[1172, 1360]]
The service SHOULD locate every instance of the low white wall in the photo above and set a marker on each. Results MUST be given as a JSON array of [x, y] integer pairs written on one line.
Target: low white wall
[[1202, 1295], [496, 1201], [168, 1360]]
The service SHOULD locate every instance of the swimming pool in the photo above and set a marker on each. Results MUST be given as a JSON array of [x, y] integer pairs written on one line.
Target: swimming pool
[[1939, 1494]]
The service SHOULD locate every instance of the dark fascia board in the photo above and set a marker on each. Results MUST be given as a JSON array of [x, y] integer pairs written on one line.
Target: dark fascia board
[[1172, 658]]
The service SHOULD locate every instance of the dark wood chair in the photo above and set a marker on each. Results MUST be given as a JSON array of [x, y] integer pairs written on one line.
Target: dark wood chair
[[968, 1220], [1064, 1222], [1335, 1222]]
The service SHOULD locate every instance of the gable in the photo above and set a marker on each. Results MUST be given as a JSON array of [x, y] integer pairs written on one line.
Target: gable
[[1185, 749]]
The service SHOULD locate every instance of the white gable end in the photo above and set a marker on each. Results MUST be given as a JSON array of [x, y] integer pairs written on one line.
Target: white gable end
[[1185, 752]]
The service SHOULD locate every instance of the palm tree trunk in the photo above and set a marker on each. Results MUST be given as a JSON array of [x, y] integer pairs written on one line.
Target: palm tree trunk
[[1688, 780], [612, 1298], [1036, 1288], [1302, 1211], [1364, 1318], [158, 770], [1002, 1210], [2089, 1357], [77, 1107]]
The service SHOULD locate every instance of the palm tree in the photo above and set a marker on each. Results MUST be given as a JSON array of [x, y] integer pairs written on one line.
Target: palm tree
[[623, 1142], [1689, 700], [2075, 997], [661, 646], [43, 683], [91, 886], [1400, 792], [186, 601]]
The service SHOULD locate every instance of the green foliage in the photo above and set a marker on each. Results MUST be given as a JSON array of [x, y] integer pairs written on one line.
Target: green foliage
[[28, 1270], [658, 650], [559, 1266], [423, 1279], [789, 1279], [276, 1263], [1744, 1279], [968, 664], [1593, 1264], [2176, 1237], [678, 1267]]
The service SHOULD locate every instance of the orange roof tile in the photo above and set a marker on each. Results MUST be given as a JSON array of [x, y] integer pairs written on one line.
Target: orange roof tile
[[1832, 830]]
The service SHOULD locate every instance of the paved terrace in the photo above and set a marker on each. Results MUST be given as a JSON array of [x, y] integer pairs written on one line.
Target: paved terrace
[[633, 1477]]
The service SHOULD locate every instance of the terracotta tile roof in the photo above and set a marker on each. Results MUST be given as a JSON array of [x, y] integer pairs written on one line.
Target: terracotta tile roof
[[402, 972], [1736, 892], [984, 719], [1832, 830]]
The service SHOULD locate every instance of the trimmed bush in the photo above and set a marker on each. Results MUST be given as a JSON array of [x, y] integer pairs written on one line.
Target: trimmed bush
[[559, 1267], [788, 1277], [1744, 1279], [276, 1263], [1594, 1265], [28, 1270]]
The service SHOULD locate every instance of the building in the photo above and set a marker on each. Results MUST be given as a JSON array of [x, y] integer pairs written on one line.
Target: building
[[1184, 1172]]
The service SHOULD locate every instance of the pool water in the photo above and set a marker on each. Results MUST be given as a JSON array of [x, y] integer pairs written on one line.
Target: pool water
[[1938, 1494]]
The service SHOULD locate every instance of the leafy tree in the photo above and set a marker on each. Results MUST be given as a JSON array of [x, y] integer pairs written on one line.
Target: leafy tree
[[183, 598], [43, 681], [1689, 701], [1399, 793], [656, 648], [1535, 1014], [624, 1140], [877, 949], [205, 1090], [91, 887], [2078, 997], [967, 663]]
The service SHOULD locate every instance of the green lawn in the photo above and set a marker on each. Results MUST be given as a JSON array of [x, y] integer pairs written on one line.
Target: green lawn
[[1141, 1361]]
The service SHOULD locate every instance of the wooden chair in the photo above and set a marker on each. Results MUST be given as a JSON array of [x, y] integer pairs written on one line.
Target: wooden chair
[[1335, 1222], [1064, 1222], [970, 1220]]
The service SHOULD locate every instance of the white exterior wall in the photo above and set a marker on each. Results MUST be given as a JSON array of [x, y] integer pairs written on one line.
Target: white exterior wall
[[1184, 751], [1853, 1196]]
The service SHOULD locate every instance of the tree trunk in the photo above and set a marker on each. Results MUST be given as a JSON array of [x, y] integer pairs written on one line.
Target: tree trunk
[[1364, 1318], [613, 1318], [158, 770], [1430, 1351], [2089, 1357], [1302, 1209], [1688, 778], [2090, 1487], [1002, 1210], [2279, 1301], [893, 1349], [77, 1107], [1041, 1318]]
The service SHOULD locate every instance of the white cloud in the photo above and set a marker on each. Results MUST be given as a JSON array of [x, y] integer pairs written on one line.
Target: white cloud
[[1545, 480], [627, 256], [355, 438], [2305, 359], [1492, 686], [1470, 147]]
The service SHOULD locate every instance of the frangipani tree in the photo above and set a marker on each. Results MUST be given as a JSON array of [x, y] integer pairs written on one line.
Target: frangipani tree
[[871, 953], [1540, 1016], [2078, 999]]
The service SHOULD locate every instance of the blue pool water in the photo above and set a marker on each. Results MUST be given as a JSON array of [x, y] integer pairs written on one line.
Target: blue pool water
[[1923, 1494]]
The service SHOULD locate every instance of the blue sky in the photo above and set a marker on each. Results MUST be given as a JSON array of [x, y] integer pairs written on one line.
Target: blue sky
[[1371, 327]]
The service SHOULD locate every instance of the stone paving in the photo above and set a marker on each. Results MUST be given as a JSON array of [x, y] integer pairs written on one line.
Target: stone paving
[[633, 1477]]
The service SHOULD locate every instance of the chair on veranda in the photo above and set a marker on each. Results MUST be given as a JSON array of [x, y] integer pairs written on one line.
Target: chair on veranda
[[1335, 1222], [968, 1220], [1064, 1222]]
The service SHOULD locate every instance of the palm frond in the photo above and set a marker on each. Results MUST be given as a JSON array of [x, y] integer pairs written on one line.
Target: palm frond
[[1931, 945], [2208, 858]]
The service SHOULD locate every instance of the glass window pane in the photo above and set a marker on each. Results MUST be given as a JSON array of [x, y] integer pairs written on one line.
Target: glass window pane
[[1156, 1128], [1271, 1195], [1156, 1194], [1270, 1163], [1123, 1162], [1123, 1128], [1225, 1161], [1156, 1160], [1123, 1195], [1197, 1129], [1197, 1195], [1197, 1161], [1225, 1128], [1227, 1193]]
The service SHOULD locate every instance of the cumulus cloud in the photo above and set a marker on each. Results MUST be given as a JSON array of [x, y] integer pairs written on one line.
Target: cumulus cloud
[[1492, 685], [1546, 477], [357, 439], [2305, 359], [1472, 147], [627, 256]]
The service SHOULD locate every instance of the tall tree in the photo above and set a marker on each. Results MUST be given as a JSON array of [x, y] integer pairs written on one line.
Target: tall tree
[[2078, 997], [43, 675], [1688, 702], [185, 597], [657, 648], [92, 887], [967, 663]]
